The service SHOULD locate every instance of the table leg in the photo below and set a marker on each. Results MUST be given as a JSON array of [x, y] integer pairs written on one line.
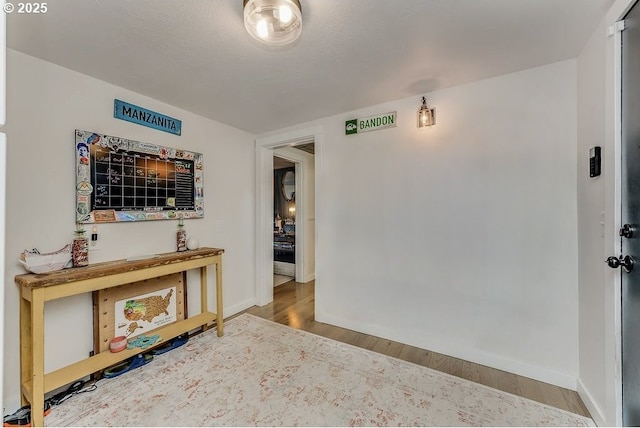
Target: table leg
[[219, 315], [204, 304], [37, 347], [25, 346]]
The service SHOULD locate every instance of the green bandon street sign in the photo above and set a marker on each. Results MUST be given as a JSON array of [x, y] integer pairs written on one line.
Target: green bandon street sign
[[371, 123]]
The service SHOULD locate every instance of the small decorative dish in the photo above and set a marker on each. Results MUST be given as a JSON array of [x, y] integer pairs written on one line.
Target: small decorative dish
[[38, 263], [118, 344]]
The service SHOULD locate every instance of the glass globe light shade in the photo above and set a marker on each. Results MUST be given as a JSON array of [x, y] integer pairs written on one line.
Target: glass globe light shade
[[274, 22]]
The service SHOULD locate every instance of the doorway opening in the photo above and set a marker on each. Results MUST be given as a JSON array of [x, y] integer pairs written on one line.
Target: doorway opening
[[285, 194], [301, 149]]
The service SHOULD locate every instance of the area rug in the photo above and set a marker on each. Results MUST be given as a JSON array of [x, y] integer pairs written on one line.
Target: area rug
[[265, 374]]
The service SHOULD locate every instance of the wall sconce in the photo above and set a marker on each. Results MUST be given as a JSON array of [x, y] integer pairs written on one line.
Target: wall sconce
[[426, 115], [274, 22]]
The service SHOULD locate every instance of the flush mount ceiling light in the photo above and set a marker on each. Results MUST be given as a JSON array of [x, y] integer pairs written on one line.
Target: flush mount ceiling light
[[274, 22]]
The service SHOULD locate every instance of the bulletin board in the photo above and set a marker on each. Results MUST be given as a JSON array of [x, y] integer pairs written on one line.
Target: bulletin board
[[137, 308], [124, 180]]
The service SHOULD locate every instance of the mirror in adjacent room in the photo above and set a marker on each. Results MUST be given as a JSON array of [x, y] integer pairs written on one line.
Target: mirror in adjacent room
[[289, 185]]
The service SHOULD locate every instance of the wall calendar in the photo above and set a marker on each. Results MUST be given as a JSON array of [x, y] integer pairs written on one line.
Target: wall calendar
[[124, 180]]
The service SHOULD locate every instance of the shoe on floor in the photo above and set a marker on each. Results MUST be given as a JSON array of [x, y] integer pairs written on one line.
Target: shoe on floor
[[130, 364], [22, 416], [174, 343]]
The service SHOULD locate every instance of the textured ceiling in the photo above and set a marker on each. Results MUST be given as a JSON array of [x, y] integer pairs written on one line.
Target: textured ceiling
[[196, 55]]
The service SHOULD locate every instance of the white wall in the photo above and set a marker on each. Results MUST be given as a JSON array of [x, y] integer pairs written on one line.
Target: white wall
[[45, 104], [591, 208], [461, 238]]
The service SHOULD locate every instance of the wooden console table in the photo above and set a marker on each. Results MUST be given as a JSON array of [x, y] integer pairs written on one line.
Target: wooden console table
[[35, 290]]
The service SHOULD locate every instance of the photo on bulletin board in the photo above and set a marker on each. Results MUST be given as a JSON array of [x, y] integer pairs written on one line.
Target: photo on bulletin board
[[124, 180]]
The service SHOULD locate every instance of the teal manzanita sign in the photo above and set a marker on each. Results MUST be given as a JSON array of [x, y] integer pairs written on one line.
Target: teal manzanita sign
[[144, 117]]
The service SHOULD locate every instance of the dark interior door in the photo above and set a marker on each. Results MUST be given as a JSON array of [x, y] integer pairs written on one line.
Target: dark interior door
[[630, 233]]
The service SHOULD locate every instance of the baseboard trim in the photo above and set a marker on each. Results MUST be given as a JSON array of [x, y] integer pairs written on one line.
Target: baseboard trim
[[239, 307], [596, 412], [562, 380]]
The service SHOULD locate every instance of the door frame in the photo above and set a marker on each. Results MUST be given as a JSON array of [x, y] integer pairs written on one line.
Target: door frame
[[301, 207], [616, 29], [612, 239], [264, 203], [613, 199]]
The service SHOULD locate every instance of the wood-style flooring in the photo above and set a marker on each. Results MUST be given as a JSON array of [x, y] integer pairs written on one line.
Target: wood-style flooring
[[293, 305]]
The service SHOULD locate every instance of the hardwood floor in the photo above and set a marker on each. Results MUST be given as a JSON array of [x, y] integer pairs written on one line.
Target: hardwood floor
[[293, 305]]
